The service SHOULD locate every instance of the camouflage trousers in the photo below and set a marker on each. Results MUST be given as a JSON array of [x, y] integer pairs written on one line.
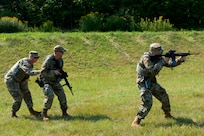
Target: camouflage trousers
[[19, 91], [147, 90], [49, 91]]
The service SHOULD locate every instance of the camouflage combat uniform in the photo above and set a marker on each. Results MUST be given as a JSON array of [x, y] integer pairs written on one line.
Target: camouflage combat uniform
[[147, 69], [16, 80], [51, 82]]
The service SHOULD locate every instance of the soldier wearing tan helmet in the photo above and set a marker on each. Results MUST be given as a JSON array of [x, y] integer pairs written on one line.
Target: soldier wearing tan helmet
[[156, 47], [50, 73], [147, 68]]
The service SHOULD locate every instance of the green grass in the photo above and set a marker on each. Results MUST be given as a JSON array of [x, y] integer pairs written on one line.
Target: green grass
[[101, 68]]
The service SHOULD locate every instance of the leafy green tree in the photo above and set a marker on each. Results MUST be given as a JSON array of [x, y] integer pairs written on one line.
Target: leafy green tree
[[186, 14], [5, 6], [65, 14]]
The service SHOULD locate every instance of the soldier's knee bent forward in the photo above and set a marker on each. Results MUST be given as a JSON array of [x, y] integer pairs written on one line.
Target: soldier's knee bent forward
[[48, 91]]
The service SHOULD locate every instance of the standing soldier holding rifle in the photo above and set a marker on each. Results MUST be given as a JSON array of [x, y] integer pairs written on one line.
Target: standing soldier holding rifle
[[51, 76], [148, 67]]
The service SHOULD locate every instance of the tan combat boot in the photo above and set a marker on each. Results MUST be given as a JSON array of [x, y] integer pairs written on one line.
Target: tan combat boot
[[44, 115], [136, 122]]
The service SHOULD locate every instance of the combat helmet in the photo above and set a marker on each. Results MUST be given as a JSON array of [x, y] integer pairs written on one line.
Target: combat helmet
[[156, 47]]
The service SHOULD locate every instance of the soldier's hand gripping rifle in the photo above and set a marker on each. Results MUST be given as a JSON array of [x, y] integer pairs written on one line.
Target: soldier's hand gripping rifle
[[64, 76]]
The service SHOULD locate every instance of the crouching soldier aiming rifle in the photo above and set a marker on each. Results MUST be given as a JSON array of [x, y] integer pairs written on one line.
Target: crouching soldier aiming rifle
[[149, 65], [51, 74]]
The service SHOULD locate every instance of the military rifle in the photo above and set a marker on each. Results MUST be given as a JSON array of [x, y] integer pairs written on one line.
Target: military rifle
[[64, 76], [172, 54]]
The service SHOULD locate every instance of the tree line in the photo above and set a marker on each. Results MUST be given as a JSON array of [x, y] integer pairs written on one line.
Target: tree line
[[65, 14]]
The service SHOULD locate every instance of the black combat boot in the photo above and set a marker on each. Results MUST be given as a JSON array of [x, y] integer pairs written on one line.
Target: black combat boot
[[34, 113], [44, 115], [13, 115], [168, 116], [65, 114]]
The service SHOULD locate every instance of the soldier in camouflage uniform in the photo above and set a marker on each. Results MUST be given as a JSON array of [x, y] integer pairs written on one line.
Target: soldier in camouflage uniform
[[50, 75], [147, 69], [16, 80]]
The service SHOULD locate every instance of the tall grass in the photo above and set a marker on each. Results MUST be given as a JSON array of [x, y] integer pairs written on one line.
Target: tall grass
[[11, 25], [101, 68], [156, 25], [96, 21]]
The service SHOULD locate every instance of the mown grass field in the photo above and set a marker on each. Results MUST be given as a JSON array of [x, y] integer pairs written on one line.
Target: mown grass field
[[101, 68]]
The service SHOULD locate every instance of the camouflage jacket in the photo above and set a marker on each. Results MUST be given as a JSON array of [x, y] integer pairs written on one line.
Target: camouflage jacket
[[149, 67], [49, 66], [21, 70]]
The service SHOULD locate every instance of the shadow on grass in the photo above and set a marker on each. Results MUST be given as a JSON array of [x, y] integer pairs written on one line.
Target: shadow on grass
[[180, 121], [93, 118], [185, 121]]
